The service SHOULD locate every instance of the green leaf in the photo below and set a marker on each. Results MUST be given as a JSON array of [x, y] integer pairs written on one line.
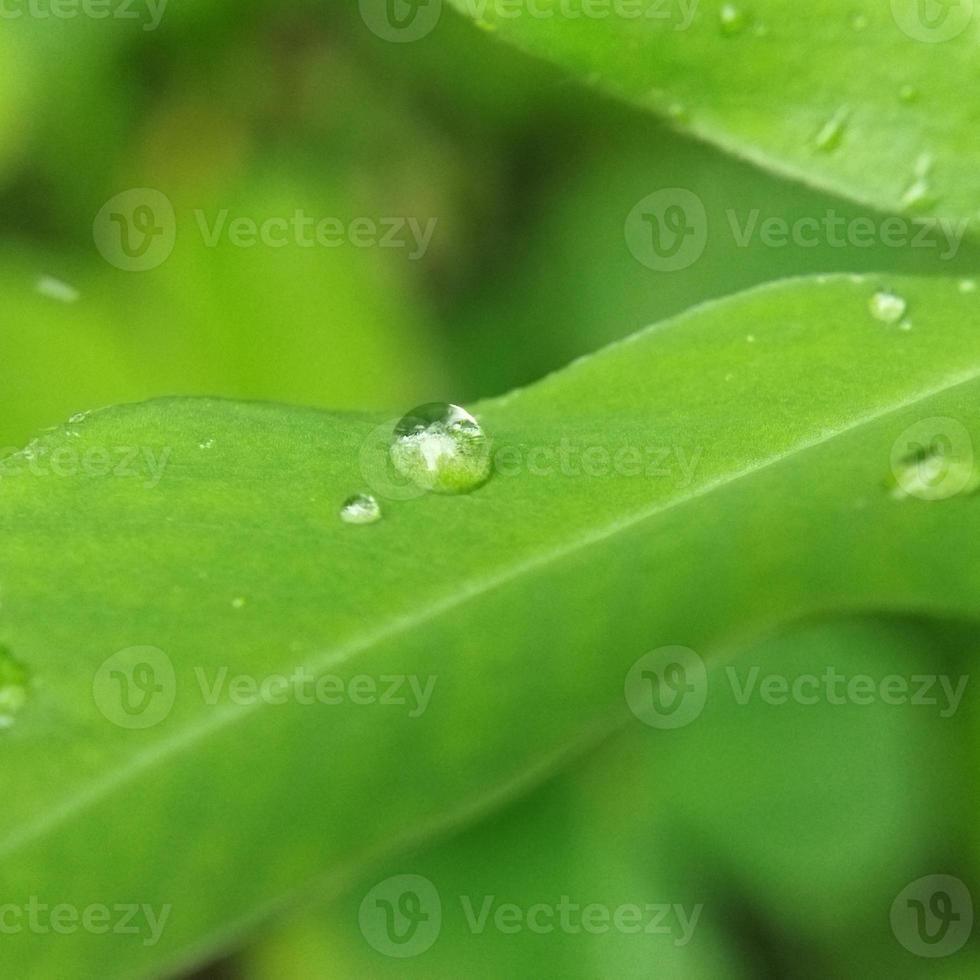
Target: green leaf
[[848, 95], [765, 426], [730, 812]]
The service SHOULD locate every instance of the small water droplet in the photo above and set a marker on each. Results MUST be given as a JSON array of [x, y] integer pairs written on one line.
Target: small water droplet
[[917, 194], [733, 19], [750, 338], [934, 472], [887, 307], [831, 134], [678, 112], [441, 447], [968, 285], [55, 289], [238, 602], [908, 94], [206, 444], [859, 22], [362, 508], [13, 688], [905, 326]]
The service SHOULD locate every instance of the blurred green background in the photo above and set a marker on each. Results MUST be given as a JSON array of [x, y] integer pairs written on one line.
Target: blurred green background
[[792, 821]]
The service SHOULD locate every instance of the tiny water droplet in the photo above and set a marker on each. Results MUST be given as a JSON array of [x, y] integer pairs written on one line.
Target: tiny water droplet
[[917, 194], [678, 112], [750, 338], [831, 134], [934, 472], [733, 19], [13, 688], [905, 326], [968, 285], [859, 22], [441, 447], [56, 289], [206, 444], [887, 307], [362, 508], [238, 602], [908, 94]]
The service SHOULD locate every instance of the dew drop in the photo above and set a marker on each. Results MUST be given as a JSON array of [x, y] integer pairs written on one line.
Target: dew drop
[[887, 307], [362, 508], [859, 22], [968, 285], [933, 472], [832, 132], [678, 112], [908, 94], [56, 289], [13, 688], [441, 447], [733, 19], [206, 444], [238, 602]]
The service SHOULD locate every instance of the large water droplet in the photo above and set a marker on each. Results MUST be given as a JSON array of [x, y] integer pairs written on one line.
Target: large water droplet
[[441, 447], [934, 472], [886, 306], [13, 688], [832, 131], [733, 19], [362, 508]]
